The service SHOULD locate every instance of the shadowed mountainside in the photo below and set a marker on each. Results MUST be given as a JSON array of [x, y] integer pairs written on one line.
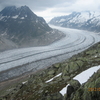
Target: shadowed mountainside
[[23, 28]]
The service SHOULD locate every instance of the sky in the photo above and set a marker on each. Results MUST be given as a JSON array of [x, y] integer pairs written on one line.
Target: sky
[[53, 8]]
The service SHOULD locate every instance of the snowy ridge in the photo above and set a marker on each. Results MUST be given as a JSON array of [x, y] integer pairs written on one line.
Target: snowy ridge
[[80, 20]]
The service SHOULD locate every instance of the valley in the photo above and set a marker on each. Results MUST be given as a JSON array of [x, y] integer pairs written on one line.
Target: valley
[[40, 60], [17, 62]]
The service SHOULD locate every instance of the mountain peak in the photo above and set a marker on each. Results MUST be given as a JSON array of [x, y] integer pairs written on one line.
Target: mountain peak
[[24, 7], [21, 24], [14, 7], [19, 11], [85, 20]]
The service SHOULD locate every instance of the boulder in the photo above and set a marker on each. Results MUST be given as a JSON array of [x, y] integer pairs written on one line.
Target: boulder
[[55, 96]]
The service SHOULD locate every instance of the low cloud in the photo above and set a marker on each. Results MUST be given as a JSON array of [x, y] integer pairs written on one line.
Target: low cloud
[[52, 8], [36, 5]]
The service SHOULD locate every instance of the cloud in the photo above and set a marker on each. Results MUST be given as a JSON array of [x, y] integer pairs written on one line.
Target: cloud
[[82, 5], [79, 5], [36, 5], [52, 8]]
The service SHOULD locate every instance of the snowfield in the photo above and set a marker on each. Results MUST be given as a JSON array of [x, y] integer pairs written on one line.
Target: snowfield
[[20, 61], [82, 77]]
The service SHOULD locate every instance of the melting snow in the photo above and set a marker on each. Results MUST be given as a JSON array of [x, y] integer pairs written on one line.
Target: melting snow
[[4, 34], [53, 78], [62, 20], [85, 75], [24, 82], [16, 16], [64, 90], [22, 18], [82, 77], [1, 17]]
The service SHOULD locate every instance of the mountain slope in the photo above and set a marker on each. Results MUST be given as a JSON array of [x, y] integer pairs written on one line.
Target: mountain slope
[[23, 27], [79, 20], [6, 44]]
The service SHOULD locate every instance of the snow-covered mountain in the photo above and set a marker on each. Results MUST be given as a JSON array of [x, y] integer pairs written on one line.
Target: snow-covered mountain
[[21, 26], [80, 20]]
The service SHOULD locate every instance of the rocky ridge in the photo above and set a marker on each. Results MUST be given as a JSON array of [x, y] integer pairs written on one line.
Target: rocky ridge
[[37, 86]]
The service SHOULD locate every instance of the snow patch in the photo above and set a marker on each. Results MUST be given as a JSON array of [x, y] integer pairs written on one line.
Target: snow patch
[[1, 17], [64, 90], [4, 34], [22, 18], [62, 20], [53, 78], [14, 17], [96, 56], [24, 82], [85, 75], [25, 15]]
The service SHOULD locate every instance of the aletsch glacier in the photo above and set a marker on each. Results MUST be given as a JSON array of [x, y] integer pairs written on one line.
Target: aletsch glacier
[[21, 61]]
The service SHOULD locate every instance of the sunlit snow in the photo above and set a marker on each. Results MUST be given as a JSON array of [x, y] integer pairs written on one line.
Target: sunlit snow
[[54, 77], [85, 75], [64, 90], [62, 20], [16, 16]]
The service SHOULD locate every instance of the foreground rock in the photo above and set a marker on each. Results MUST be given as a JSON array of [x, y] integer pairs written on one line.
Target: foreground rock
[[39, 86]]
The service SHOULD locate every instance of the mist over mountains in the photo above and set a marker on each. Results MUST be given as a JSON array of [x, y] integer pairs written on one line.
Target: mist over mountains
[[79, 20]]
